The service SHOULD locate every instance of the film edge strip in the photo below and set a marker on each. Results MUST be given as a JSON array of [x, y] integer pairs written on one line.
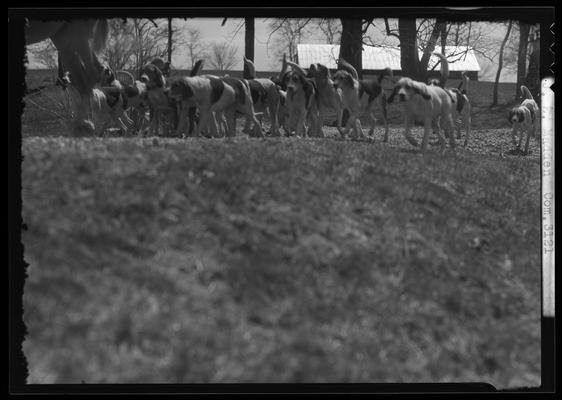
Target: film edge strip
[[547, 198]]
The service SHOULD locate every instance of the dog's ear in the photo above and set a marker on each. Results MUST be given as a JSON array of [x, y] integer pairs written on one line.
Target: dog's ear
[[421, 89], [510, 115], [323, 70], [167, 68], [393, 94], [159, 77]]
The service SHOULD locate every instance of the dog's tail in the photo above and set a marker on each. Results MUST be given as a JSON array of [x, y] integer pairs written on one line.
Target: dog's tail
[[348, 67], [385, 72], [526, 93], [444, 69], [197, 67], [297, 68], [284, 66], [250, 67], [464, 81]]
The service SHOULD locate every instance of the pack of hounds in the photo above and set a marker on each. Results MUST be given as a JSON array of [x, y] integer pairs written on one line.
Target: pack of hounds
[[296, 101]]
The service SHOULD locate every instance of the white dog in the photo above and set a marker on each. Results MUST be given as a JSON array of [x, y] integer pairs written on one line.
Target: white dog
[[431, 104], [524, 117]]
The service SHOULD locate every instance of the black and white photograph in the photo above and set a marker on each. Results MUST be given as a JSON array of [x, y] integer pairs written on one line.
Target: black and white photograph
[[288, 196]]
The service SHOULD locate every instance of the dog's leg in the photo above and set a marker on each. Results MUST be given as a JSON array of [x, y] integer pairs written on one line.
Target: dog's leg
[[319, 122], [230, 115], [183, 117], [316, 121], [521, 132], [339, 116], [351, 127], [247, 126], [359, 129], [467, 123], [383, 103], [450, 127], [204, 116], [273, 110], [529, 134], [428, 124], [348, 124], [300, 128], [407, 131], [373, 123]]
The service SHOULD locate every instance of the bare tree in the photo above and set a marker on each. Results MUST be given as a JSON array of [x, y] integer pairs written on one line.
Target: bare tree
[[532, 80], [524, 29], [287, 33], [500, 64], [120, 46], [223, 56], [351, 47], [196, 49], [135, 42], [45, 53], [249, 38], [331, 28]]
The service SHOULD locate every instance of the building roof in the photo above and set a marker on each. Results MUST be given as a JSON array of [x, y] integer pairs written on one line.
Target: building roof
[[378, 58]]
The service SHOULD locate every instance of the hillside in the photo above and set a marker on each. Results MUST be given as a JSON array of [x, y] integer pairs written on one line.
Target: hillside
[[280, 260]]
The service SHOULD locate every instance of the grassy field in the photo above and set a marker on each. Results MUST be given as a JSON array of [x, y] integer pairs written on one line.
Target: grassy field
[[281, 260]]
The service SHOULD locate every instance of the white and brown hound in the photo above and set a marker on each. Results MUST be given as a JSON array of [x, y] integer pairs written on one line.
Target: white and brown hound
[[524, 117], [429, 103], [358, 97], [329, 97], [158, 101], [244, 104], [301, 100], [532, 105], [265, 97], [463, 109], [212, 94]]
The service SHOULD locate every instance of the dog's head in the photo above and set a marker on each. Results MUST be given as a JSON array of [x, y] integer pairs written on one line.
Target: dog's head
[[516, 115], [433, 82], [406, 89], [343, 79], [163, 66], [293, 81], [65, 80], [137, 95], [107, 76], [152, 76], [180, 90], [318, 71]]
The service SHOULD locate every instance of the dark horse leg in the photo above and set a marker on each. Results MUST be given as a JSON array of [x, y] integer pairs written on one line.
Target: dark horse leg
[[77, 43]]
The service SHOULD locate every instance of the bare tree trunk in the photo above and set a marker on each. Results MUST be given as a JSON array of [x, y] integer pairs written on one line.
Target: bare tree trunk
[[408, 48], [249, 42], [170, 33], [444, 33], [532, 81], [430, 48], [500, 64], [351, 49], [522, 55]]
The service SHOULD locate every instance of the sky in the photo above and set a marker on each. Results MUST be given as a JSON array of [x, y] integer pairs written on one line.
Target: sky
[[264, 60]]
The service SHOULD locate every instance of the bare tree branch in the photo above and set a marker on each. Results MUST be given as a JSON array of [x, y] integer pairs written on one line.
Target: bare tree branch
[[388, 31]]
